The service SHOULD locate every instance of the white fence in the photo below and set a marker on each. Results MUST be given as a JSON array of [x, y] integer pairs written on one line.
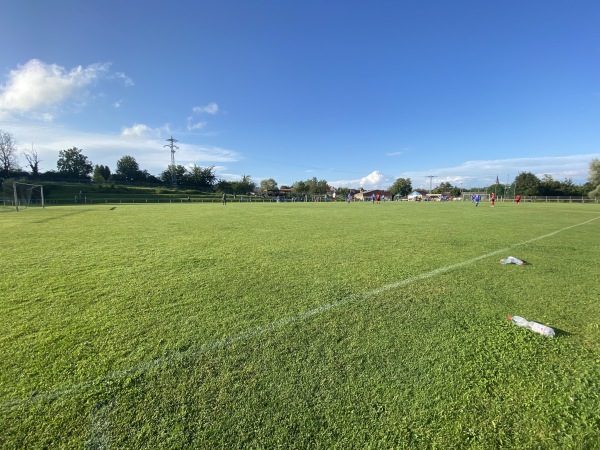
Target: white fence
[[557, 199]]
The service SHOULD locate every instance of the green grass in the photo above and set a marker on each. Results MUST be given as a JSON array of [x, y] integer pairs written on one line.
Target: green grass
[[299, 326]]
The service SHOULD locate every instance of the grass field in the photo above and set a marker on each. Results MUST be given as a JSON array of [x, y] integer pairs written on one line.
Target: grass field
[[299, 326]]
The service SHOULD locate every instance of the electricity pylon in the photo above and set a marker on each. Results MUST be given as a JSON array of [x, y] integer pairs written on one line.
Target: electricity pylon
[[431, 177], [172, 146]]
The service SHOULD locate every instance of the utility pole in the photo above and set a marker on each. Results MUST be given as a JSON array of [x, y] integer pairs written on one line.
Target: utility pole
[[172, 146], [431, 177]]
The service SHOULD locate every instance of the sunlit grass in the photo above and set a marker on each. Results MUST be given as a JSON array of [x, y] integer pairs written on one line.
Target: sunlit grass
[[299, 326]]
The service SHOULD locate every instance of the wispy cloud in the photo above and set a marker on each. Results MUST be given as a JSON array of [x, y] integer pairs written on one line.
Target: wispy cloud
[[481, 173], [394, 153], [211, 108], [191, 126], [484, 172], [143, 142], [124, 78], [193, 123]]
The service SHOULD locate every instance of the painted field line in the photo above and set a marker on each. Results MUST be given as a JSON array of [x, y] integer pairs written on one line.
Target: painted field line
[[100, 427], [265, 329]]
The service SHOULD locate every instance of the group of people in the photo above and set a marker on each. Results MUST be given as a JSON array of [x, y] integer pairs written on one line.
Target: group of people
[[377, 198], [476, 198]]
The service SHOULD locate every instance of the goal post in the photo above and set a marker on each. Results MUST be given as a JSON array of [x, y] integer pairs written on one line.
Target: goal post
[[25, 195]]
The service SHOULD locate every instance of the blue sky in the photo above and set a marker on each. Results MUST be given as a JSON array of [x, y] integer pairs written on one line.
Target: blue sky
[[356, 92]]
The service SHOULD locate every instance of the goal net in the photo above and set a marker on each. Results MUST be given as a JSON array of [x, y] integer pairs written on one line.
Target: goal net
[[17, 196]]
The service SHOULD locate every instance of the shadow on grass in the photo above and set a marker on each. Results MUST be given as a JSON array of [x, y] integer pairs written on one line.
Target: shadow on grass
[[62, 216], [561, 333]]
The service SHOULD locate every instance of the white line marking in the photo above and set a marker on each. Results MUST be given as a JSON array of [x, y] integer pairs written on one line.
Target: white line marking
[[100, 427], [273, 326]]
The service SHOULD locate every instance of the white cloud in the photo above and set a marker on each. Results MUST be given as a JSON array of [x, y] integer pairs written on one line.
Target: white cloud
[[41, 91], [139, 130], [374, 180], [211, 108], [37, 86], [393, 154]]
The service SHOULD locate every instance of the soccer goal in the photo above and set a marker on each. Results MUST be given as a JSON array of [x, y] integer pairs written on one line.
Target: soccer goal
[[470, 196], [22, 195]]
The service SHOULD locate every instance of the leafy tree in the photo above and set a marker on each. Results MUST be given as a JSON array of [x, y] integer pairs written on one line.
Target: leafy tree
[[128, 169], [268, 185], [549, 186], [402, 187], [342, 192], [322, 187], [455, 191], [497, 188], [33, 161], [101, 174], [594, 178], [569, 188], [245, 186], [527, 184], [201, 177], [146, 177], [8, 153], [316, 187], [180, 171], [300, 188], [225, 186], [73, 164], [442, 187], [49, 175]]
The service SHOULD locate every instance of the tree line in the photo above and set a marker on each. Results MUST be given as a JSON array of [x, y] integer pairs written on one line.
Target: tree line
[[73, 165]]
